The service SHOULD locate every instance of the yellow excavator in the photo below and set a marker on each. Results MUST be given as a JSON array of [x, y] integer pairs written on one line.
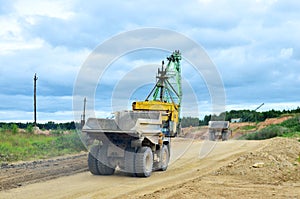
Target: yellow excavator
[[138, 141]]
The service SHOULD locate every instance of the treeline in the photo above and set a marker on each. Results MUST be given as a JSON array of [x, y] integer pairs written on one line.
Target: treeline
[[47, 126], [244, 115], [253, 116], [189, 121], [194, 121]]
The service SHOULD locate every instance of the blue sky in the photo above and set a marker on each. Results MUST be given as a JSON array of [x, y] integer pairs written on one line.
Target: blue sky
[[253, 44]]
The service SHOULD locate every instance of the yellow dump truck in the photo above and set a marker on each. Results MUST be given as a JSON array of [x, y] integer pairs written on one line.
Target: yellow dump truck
[[138, 141]]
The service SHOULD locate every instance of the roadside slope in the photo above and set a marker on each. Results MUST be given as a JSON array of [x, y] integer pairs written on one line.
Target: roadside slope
[[270, 171]]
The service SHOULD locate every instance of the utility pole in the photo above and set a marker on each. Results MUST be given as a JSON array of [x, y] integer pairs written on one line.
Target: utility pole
[[35, 78], [83, 114]]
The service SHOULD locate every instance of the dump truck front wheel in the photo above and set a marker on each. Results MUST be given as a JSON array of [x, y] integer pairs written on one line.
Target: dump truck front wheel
[[144, 162], [164, 158]]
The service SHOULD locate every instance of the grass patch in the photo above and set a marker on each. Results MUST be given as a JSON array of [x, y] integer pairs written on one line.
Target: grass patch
[[288, 128], [247, 127], [291, 135], [266, 133], [27, 146], [288, 115]]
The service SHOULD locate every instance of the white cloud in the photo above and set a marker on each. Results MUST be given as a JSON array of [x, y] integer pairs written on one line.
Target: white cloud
[[10, 28], [47, 8], [42, 117], [254, 44], [286, 53], [8, 47]]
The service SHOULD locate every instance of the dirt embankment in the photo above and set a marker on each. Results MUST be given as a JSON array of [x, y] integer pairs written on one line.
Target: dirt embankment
[[236, 127], [18, 174], [271, 171], [200, 132], [276, 163]]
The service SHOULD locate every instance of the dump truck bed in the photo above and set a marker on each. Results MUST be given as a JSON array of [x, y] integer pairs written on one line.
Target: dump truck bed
[[218, 124], [133, 123]]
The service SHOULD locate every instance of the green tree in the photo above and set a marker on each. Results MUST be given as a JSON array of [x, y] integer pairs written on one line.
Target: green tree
[[29, 129], [189, 121], [14, 129]]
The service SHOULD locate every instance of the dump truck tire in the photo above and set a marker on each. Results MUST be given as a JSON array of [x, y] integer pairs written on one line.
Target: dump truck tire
[[164, 158], [129, 158], [212, 136], [92, 161], [102, 164], [224, 135], [144, 162]]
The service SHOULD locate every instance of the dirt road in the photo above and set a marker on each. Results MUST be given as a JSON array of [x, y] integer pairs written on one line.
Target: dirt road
[[198, 169], [22, 173]]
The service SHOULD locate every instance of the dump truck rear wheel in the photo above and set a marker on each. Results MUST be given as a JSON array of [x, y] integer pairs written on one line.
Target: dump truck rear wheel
[[164, 158], [144, 162], [102, 164], [224, 135], [104, 169], [129, 158], [212, 136], [92, 161]]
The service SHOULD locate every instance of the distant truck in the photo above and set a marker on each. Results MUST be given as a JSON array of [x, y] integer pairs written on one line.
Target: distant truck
[[218, 130]]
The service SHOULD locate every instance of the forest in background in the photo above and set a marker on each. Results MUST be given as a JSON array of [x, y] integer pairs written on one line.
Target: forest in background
[[244, 115]]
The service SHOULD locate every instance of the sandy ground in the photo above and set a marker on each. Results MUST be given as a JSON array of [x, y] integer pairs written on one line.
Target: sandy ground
[[18, 174], [198, 169]]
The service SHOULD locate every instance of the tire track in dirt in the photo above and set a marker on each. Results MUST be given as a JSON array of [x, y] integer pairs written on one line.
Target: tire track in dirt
[[14, 175]]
